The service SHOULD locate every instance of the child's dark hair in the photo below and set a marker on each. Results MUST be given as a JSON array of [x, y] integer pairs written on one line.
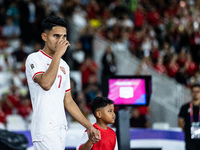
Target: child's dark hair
[[100, 102], [49, 22]]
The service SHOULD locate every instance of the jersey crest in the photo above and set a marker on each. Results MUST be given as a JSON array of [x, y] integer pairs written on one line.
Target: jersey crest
[[32, 66], [63, 69]]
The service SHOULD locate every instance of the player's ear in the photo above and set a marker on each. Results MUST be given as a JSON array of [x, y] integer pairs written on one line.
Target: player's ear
[[98, 113], [44, 36]]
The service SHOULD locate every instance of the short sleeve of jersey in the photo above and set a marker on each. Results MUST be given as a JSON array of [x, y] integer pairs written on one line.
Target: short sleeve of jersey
[[34, 66], [84, 139], [116, 145]]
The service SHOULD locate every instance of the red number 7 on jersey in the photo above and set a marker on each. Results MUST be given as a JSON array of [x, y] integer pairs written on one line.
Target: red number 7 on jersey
[[60, 76]]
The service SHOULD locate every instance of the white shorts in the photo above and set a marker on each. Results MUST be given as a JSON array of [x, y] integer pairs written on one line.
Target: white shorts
[[53, 140]]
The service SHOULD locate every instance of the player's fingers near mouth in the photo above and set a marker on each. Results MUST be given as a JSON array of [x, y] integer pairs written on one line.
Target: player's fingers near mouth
[[67, 43]]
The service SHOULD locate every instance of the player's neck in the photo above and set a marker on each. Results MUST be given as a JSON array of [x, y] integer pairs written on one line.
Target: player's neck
[[196, 102], [48, 51], [102, 125]]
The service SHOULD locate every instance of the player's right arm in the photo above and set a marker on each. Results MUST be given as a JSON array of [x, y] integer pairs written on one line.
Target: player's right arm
[[47, 79]]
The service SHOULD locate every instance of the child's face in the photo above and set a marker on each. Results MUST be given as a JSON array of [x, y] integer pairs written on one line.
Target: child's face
[[108, 114]]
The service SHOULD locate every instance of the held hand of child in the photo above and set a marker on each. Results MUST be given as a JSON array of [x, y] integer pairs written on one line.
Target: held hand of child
[[91, 139], [94, 139], [95, 134]]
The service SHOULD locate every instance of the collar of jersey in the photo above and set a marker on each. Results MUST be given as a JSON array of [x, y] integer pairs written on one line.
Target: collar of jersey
[[45, 54], [98, 127]]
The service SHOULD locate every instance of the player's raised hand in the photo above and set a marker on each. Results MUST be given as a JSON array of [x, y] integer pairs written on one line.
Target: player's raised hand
[[62, 45]]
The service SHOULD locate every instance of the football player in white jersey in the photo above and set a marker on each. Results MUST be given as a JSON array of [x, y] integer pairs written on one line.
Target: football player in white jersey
[[48, 79]]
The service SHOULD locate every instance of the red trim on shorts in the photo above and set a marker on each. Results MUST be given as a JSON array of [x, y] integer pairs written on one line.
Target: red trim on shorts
[[41, 72], [45, 54], [67, 90]]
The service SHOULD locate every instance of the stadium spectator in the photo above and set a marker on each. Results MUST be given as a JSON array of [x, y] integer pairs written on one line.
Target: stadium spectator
[[20, 53], [88, 67], [195, 79], [77, 55], [2, 117], [25, 107], [108, 62], [91, 89], [137, 119], [10, 31], [159, 66]]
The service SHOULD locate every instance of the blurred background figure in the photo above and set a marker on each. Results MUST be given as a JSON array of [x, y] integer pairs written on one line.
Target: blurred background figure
[[108, 62], [137, 119], [188, 119], [88, 67]]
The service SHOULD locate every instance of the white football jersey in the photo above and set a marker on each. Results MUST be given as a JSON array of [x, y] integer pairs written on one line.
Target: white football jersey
[[48, 106]]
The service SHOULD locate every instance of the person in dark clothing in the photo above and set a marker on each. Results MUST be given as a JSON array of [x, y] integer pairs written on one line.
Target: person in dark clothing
[[108, 62], [189, 119], [181, 76], [137, 120], [20, 55]]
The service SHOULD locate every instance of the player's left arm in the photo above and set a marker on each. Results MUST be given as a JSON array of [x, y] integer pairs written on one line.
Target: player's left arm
[[75, 112]]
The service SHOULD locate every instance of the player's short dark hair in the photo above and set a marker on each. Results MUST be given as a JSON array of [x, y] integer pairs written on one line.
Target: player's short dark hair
[[100, 102], [52, 21], [195, 85]]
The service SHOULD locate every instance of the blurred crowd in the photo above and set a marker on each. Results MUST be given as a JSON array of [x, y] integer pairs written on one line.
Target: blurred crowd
[[163, 34]]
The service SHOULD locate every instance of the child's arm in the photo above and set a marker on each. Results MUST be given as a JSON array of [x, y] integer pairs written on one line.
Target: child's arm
[[86, 142], [88, 145]]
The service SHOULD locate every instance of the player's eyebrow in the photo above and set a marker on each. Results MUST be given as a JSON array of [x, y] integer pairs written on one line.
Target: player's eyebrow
[[65, 35]]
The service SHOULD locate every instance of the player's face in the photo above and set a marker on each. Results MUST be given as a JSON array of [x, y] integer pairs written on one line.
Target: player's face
[[53, 36], [196, 93], [108, 114]]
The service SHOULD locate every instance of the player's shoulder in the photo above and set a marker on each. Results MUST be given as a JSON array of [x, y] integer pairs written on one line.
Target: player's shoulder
[[34, 54], [63, 61]]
